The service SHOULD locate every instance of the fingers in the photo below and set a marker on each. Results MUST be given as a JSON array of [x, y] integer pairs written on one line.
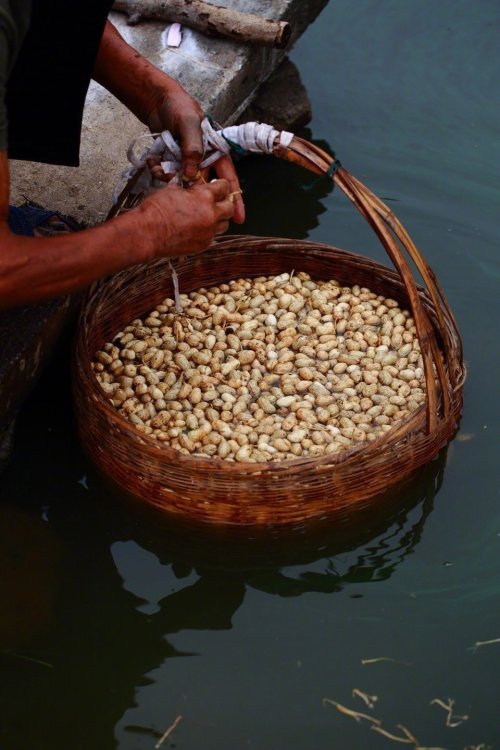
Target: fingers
[[222, 226], [224, 201], [225, 210], [185, 220], [207, 208], [219, 188], [191, 146], [156, 169], [224, 168]]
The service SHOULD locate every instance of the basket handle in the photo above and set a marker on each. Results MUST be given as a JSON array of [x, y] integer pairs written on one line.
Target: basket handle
[[395, 239], [438, 336]]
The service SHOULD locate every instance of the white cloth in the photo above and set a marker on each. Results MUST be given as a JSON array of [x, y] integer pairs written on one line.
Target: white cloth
[[250, 136]]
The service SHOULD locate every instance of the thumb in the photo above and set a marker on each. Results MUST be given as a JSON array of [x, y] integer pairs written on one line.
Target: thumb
[[191, 146], [219, 189]]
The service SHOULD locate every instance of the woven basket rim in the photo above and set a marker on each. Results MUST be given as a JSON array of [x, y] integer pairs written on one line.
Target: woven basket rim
[[414, 421]]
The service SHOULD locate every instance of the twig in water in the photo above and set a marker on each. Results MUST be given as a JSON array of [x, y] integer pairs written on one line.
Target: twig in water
[[408, 733], [408, 739], [168, 732], [32, 659], [452, 720], [356, 715], [385, 658], [478, 644], [369, 700]]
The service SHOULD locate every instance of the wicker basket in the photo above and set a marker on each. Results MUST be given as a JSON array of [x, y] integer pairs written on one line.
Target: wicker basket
[[286, 492]]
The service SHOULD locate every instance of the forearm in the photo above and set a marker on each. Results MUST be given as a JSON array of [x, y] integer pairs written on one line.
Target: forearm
[[160, 103], [129, 76], [173, 221], [35, 268]]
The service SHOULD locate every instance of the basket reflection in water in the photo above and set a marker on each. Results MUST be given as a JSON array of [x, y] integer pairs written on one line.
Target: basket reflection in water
[[362, 542], [278, 493]]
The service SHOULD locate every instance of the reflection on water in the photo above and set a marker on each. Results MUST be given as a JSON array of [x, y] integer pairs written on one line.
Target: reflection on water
[[389, 526], [130, 581], [29, 556], [278, 194]]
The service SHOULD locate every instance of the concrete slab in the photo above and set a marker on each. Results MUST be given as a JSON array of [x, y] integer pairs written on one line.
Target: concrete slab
[[222, 75]]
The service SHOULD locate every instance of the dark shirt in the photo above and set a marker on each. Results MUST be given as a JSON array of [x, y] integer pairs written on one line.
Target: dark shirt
[[46, 86], [14, 22]]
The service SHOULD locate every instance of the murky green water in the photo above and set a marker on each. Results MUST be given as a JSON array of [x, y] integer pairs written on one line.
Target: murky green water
[[110, 627]]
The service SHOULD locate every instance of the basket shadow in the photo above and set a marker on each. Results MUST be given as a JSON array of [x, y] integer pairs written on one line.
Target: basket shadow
[[391, 524], [262, 179]]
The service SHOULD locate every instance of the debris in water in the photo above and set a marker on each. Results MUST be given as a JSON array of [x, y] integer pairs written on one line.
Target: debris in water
[[385, 658], [452, 720], [25, 657], [408, 739], [168, 732], [478, 644], [83, 482], [356, 715], [369, 700]]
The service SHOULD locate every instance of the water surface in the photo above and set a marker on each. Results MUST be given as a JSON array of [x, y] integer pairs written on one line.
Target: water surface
[[111, 627]]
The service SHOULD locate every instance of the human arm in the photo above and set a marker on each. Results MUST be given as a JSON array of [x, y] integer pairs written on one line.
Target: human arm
[[160, 103], [174, 221]]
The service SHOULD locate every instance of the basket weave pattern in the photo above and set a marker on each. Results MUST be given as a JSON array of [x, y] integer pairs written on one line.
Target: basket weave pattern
[[283, 492]]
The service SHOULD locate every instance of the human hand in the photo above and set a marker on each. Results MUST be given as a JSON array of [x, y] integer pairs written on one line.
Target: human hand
[[175, 110], [182, 221], [161, 103]]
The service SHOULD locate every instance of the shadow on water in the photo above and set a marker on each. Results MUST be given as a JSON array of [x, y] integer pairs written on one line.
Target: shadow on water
[[71, 634], [381, 531], [86, 647], [282, 197], [75, 635]]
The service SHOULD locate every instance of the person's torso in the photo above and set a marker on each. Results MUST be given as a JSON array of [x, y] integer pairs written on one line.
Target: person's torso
[[48, 82]]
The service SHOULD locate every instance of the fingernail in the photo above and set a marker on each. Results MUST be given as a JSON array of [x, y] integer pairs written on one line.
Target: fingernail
[[191, 171]]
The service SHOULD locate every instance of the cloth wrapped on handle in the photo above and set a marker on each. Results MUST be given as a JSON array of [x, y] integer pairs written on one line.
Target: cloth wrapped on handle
[[253, 137]]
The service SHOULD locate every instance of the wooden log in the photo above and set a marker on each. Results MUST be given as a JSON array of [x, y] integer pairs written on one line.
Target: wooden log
[[209, 19]]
